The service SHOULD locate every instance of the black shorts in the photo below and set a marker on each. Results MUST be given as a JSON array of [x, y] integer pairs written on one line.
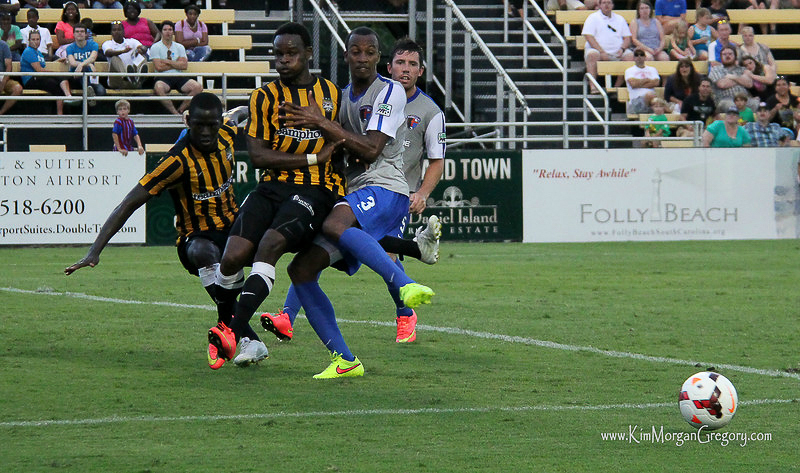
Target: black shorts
[[174, 83], [217, 237], [296, 212]]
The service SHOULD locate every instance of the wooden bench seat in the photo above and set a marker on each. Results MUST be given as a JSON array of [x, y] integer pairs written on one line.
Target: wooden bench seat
[[107, 15], [772, 41], [622, 92], [217, 42], [665, 68]]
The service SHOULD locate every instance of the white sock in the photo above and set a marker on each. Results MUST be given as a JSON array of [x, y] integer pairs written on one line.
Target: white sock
[[266, 271]]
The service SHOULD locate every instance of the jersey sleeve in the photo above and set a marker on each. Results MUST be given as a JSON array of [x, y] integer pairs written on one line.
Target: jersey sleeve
[[434, 137], [388, 110], [166, 174], [258, 124]]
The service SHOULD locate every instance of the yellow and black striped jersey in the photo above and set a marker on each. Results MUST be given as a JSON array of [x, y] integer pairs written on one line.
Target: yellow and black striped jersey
[[266, 124], [200, 184]]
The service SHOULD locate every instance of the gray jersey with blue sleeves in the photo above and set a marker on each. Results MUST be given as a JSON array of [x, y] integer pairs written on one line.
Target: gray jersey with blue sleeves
[[425, 135], [381, 107]]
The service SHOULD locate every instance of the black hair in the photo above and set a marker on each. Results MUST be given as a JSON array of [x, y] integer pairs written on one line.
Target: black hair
[[205, 101], [34, 11], [167, 22], [362, 31], [132, 4], [64, 12], [406, 45], [192, 6], [80, 25], [296, 29]]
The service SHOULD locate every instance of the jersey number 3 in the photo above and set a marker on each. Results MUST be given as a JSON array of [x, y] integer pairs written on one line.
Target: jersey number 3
[[367, 204]]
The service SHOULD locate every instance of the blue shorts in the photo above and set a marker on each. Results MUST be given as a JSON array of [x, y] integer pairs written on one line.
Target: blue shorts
[[379, 212]]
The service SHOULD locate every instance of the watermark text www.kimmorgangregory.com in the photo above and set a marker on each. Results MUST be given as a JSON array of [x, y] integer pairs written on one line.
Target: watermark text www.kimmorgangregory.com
[[640, 435]]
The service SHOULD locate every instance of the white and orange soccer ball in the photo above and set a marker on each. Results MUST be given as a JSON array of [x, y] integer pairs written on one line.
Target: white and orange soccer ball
[[708, 399]]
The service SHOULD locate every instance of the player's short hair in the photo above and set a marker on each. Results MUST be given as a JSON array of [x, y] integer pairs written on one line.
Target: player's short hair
[[362, 31], [297, 29], [121, 103], [167, 22], [407, 45], [205, 101]]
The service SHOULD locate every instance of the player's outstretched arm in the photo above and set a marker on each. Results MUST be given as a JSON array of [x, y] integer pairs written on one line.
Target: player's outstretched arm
[[135, 199]]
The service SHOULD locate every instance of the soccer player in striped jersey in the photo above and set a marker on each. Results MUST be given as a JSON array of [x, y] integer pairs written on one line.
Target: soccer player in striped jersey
[[198, 174], [299, 187], [373, 128]]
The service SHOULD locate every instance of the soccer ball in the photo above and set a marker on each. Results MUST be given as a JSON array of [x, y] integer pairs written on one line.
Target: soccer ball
[[708, 399]]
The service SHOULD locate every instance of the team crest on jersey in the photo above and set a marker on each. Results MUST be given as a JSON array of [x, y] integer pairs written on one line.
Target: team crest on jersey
[[412, 121], [384, 109], [327, 104], [441, 137], [365, 112]]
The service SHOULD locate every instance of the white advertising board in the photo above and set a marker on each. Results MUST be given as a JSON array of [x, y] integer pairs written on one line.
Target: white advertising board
[[660, 194], [52, 198]]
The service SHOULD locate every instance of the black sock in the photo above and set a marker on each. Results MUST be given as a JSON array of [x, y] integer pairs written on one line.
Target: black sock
[[226, 302], [400, 246], [253, 293]]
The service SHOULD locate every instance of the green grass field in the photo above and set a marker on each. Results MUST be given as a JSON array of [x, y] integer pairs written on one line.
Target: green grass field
[[529, 354]]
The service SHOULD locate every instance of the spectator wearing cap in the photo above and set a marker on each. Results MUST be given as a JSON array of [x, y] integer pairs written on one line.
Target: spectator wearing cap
[[10, 6], [641, 81], [763, 132], [726, 133], [729, 79], [193, 35], [608, 38]]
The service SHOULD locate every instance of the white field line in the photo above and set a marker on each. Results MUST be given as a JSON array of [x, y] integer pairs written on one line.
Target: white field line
[[364, 412], [458, 331]]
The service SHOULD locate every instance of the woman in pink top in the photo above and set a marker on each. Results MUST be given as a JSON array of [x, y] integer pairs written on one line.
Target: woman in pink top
[[140, 29], [70, 16], [193, 35]]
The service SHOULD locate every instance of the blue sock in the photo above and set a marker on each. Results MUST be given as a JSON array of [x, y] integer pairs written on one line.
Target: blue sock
[[402, 310], [358, 243], [322, 318], [292, 304]]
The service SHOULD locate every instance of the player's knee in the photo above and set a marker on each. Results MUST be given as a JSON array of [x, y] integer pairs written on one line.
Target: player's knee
[[272, 246], [202, 252]]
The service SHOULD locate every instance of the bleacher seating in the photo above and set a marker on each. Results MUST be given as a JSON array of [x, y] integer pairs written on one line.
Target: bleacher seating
[[617, 68], [217, 42], [772, 41], [99, 16]]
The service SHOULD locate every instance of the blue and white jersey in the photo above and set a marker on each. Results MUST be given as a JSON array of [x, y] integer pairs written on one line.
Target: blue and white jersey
[[381, 107], [425, 135]]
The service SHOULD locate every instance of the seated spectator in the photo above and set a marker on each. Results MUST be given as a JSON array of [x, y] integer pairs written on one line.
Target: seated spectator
[[33, 61], [125, 55], [70, 16], [36, 4], [763, 78], [783, 104], [552, 5], [669, 12], [647, 34], [115, 4], [11, 35], [641, 81], [193, 35], [762, 132], [140, 29], [8, 86], [10, 6], [683, 82], [701, 34], [153, 4], [89, 25], [718, 12], [757, 51], [659, 115], [726, 133], [46, 46], [723, 41], [761, 5], [698, 106], [169, 57], [745, 112], [679, 46], [729, 79], [607, 38], [81, 57]]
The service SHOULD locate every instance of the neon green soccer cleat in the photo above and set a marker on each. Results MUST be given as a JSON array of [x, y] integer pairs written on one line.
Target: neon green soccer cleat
[[414, 295], [341, 368]]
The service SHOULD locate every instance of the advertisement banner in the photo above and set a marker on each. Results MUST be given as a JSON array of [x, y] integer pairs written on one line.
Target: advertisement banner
[[56, 198], [660, 194]]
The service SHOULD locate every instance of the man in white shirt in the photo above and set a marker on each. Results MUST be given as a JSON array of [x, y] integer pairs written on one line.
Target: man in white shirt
[[46, 45], [641, 81], [169, 57], [124, 55], [608, 38]]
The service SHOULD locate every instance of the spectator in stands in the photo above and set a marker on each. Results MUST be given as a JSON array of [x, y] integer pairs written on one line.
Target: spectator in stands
[[659, 115], [8, 86], [153, 4], [763, 78], [758, 51], [669, 12], [647, 33], [81, 57], [760, 5], [10, 6], [46, 46], [33, 61], [679, 45], [723, 41], [745, 112], [115, 4], [762, 132], [124, 55], [552, 5], [607, 38], [193, 35], [124, 132], [726, 133], [11, 35], [169, 57], [140, 29], [718, 12], [701, 34], [783, 104], [729, 79], [641, 81], [698, 106], [36, 4], [682, 83], [70, 16]]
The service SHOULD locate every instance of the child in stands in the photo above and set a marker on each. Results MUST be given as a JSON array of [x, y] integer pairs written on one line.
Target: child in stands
[[124, 131]]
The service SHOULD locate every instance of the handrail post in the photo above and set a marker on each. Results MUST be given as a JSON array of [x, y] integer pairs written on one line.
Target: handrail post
[[499, 95], [448, 53], [85, 117], [467, 76], [412, 20], [429, 48], [524, 35]]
